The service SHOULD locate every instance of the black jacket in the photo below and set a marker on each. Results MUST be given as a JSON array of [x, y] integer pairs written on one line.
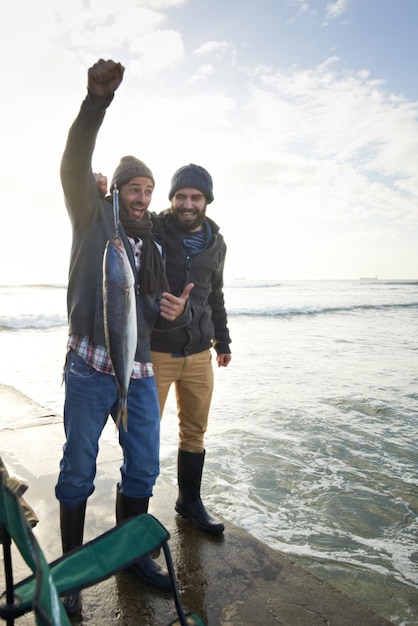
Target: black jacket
[[208, 327]]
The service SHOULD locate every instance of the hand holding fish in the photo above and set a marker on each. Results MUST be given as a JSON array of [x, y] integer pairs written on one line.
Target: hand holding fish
[[104, 77], [172, 306]]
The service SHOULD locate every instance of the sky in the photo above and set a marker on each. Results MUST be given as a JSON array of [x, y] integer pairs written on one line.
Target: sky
[[305, 112]]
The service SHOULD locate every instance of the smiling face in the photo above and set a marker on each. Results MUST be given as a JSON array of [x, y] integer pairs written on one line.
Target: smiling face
[[188, 206], [136, 196]]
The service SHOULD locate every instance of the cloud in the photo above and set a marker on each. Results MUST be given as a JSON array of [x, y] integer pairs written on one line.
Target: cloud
[[202, 72], [99, 26], [217, 49], [157, 4], [329, 112], [158, 51], [337, 8], [303, 7], [327, 154], [319, 160], [308, 9]]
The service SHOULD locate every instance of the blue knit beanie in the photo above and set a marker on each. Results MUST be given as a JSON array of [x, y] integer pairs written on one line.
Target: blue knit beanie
[[193, 176]]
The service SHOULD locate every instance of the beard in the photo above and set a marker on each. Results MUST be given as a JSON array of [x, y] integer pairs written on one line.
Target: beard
[[187, 227]]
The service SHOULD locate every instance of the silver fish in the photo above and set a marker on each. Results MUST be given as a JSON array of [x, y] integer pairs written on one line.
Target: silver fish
[[120, 323]]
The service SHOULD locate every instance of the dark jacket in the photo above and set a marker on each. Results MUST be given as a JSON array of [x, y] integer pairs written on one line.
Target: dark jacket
[[93, 225], [208, 327]]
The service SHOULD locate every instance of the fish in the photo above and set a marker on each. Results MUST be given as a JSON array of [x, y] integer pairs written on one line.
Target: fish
[[119, 312]]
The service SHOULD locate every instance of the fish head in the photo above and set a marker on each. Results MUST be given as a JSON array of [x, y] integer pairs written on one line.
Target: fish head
[[116, 266]]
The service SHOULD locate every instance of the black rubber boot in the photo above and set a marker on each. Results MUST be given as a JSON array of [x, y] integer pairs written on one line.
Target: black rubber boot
[[146, 569], [72, 530], [189, 503]]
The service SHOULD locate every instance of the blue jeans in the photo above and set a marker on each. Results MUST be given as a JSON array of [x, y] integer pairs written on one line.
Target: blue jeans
[[90, 396]]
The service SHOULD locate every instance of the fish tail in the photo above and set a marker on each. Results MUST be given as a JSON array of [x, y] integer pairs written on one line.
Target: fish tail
[[125, 418], [122, 414]]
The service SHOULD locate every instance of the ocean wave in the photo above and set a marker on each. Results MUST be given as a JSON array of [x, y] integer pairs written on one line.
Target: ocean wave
[[33, 286], [252, 285], [27, 321], [399, 282], [54, 320], [313, 310]]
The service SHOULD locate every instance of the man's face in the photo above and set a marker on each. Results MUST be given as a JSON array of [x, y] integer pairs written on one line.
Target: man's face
[[136, 196], [188, 206]]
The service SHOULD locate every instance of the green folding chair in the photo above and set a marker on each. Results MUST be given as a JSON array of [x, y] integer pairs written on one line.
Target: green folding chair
[[95, 561]]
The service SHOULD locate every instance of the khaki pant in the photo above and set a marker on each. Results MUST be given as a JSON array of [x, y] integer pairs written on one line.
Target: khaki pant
[[193, 380]]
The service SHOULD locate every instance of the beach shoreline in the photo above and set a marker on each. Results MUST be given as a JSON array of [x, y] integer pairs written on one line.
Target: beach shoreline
[[234, 580]]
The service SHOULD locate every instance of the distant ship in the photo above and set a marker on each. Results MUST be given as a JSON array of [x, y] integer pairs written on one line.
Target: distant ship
[[368, 279]]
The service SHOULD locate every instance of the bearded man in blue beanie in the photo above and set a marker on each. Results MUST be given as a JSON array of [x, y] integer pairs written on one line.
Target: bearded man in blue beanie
[[195, 253]]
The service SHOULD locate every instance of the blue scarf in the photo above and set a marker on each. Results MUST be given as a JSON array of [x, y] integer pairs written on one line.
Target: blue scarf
[[196, 242]]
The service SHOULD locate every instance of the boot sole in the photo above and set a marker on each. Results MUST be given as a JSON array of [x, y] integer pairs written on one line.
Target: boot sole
[[210, 530]]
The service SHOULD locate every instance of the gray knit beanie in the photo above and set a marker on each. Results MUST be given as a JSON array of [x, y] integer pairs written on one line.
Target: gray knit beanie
[[130, 167], [193, 176]]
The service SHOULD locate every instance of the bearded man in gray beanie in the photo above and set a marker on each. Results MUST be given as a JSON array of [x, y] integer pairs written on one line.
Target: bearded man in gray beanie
[[91, 392], [195, 252]]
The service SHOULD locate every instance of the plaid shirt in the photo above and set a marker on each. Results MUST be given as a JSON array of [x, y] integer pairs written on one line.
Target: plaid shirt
[[98, 357]]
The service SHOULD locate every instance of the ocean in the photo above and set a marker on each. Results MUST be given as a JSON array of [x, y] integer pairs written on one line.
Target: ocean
[[312, 439]]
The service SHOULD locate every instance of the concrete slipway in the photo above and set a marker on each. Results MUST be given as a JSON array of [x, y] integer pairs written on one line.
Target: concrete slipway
[[233, 580]]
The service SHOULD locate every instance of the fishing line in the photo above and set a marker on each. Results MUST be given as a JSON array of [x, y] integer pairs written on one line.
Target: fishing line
[[116, 208]]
